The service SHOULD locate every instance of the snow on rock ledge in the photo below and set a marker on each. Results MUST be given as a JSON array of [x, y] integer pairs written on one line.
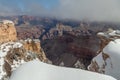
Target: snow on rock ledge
[[7, 22], [107, 61], [13, 54], [35, 70]]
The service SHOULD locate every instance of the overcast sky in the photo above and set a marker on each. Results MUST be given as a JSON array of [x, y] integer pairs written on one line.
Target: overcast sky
[[93, 10]]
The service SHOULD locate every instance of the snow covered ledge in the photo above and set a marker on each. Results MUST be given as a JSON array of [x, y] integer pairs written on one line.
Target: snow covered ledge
[[108, 36], [36, 70], [107, 60]]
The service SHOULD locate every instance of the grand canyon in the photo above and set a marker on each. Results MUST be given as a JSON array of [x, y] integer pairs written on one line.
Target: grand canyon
[[62, 43]]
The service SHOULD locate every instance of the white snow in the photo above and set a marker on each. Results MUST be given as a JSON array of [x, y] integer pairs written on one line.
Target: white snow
[[36, 70], [2, 73], [114, 33], [112, 64], [98, 59], [17, 64], [7, 22], [4, 48], [101, 34]]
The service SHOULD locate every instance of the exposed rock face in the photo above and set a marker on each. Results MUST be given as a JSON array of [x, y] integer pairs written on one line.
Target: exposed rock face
[[7, 31], [13, 54], [70, 51], [34, 46], [107, 61]]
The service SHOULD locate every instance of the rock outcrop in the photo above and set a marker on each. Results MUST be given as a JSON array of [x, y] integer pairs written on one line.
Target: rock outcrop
[[107, 61], [33, 45], [7, 31], [107, 36], [13, 54]]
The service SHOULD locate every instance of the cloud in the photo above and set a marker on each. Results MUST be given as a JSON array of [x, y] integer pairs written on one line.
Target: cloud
[[9, 8], [92, 10]]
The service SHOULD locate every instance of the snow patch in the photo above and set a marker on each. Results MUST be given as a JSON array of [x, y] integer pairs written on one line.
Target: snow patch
[[111, 64], [4, 48], [36, 70]]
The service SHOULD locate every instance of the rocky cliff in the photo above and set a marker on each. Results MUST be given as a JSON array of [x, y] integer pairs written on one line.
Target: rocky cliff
[[107, 60], [7, 31], [15, 52]]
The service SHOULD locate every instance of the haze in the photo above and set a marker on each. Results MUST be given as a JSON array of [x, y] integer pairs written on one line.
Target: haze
[[91, 10]]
